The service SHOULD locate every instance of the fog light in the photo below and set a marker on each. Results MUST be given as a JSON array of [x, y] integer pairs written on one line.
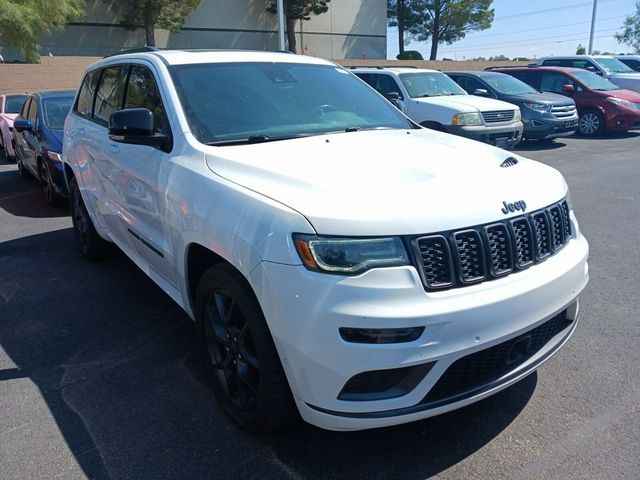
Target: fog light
[[383, 384]]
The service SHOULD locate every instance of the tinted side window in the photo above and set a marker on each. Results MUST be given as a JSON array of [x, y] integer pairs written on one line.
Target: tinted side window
[[553, 82], [84, 104], [527, 77], [33, 113], [631, 63], [556, 62], [470, 84], [385, 84], [110, 94], [142, 92], [25, 108]]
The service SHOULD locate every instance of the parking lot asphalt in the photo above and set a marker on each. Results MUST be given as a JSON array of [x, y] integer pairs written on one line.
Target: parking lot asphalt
[[98, 379]]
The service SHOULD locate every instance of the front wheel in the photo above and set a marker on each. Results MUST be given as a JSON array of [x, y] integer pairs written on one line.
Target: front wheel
[[591, 123], [22, 171], [92, 245], [50, 195], [241, 359]]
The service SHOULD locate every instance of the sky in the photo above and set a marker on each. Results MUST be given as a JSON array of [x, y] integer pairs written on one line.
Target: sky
[[534, 29]]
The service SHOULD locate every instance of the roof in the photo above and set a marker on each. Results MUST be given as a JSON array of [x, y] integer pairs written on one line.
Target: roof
[[543, 68], [190, 57], [396, 70], [477, 73], [575, 57]]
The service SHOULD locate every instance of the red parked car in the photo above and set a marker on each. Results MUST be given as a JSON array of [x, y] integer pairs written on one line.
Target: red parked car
[[602, 106]]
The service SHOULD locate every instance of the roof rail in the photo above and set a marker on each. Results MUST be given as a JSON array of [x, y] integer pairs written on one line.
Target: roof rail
[[133, 50], [378, 67]]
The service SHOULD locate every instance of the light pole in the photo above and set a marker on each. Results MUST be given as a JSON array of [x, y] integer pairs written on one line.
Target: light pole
[[281, 24], [593, 26]]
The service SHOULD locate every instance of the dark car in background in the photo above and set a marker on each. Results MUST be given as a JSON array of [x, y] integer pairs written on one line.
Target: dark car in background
[[602, 106], [545, 115], [37, 135]]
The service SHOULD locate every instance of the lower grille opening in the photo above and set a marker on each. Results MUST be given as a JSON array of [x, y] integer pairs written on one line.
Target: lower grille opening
[[383, 384], [481, 368], [380, 335]]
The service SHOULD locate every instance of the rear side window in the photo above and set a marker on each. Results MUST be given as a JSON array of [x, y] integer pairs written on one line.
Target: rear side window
[[530, 78], [84, 104], [33, 113], [110, 94], [470, 84], [142, 92], [556, 62], [25, 108]]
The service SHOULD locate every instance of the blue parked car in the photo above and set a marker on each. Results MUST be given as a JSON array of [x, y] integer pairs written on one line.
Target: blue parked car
[[37, 137]]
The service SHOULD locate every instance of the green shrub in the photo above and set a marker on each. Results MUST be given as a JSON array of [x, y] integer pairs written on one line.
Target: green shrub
[[410, 55]]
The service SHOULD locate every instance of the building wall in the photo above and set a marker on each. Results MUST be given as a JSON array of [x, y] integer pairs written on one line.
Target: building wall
[[66, 72], [350, 29]]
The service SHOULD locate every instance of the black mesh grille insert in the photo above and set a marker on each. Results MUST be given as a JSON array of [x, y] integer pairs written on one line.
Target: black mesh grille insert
[[543, 241], [457, 258], [499, 248], [437, 264], [470, 254], [478, 369]]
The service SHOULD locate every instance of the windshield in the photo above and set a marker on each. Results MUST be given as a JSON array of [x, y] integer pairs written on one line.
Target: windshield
[[13, 103], [613, 65], [251, 102], [593, 81], [508, 85], [430, 85], [55, 111]]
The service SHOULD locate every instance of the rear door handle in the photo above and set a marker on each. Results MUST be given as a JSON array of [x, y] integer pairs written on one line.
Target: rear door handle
[[81, 130], [113, 148]]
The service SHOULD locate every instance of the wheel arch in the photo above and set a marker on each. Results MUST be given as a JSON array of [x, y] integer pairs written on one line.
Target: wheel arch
[[433, 125]]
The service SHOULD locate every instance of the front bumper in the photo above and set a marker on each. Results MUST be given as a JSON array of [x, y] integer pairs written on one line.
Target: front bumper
[[504, 136], [548, 128], [622, 120], [305, 311]]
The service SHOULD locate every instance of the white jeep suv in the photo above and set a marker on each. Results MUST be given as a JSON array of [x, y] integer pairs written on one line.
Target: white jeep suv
[[338, 259]]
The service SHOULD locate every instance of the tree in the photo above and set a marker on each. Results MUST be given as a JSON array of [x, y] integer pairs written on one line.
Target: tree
[[581, 50], [295, 10], [401, 14], [21, 21], [149, 14], [630, 34], [449, 20]]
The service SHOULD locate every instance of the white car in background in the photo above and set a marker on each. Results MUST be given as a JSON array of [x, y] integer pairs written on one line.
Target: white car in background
[[337, 258], [435, 101]]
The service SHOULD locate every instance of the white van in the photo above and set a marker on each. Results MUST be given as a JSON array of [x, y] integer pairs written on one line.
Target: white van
[[433, 100]]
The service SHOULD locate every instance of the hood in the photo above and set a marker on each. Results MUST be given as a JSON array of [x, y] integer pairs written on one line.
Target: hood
[[629, 95], [389, 182], [57, 135], [628, 81], [9, 117], [467, 103], [547, 98]]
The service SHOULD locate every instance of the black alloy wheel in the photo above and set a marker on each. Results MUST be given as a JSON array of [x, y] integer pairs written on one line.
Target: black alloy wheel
[[92, 245]]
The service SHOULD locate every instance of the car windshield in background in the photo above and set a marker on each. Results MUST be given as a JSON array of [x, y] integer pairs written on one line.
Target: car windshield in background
[[508, 85], [13, 103], [593, 81], [430, 85], [613, 65], [253, 102], [55, 111]]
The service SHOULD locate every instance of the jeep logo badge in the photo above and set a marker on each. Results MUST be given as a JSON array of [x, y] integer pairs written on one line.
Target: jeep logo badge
[[514, 207]]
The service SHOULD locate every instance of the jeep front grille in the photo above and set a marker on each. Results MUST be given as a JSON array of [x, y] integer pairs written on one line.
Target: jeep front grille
[[498, 116], [486, 252]]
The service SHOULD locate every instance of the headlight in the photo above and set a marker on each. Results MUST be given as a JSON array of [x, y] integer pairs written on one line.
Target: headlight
[[538, 107], [517, 116], [466, 119], [56, 157], [349, 256], [624, 103]]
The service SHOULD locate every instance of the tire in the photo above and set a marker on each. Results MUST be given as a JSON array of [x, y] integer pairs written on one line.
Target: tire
[[22, 171], [241, 359], [51, 197], [92, 246], [591, 123]]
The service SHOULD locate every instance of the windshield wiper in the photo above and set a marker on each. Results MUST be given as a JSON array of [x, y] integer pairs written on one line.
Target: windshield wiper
[[261, 138], [353, 129]]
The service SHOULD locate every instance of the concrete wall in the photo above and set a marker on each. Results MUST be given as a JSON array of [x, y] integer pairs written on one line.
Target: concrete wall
[[350, 29], [66, 72], [52, 73]]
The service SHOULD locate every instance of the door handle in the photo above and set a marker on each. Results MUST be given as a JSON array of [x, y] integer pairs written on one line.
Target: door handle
[[81, 130], [113, 148]]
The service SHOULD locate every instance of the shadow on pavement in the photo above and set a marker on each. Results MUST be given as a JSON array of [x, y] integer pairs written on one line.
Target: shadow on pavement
[[538, 145], [24, 197], [611, 136], [112, 356]]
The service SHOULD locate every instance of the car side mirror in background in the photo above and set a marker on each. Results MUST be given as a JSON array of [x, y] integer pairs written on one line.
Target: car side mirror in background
[[481, 92], [394, 98], [568, 88], [135, 126], [22, 125]]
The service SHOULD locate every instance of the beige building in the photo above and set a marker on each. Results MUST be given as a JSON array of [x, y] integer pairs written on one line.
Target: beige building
[[350, 29]]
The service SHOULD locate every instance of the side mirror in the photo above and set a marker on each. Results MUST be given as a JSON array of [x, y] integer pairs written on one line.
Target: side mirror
[[394, 98], [22, 125], [481, 92], [135, 126], [568, 88]]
